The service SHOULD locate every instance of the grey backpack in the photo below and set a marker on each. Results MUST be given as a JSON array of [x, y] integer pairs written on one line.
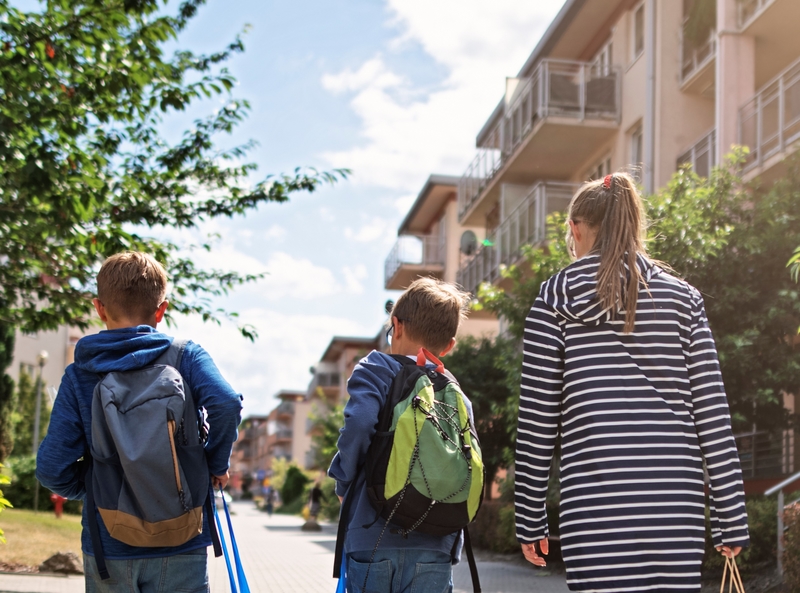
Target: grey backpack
[[149, 475]]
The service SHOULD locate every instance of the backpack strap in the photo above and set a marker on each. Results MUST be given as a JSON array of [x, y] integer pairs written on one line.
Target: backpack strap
[[473, 567], [424, 355], [91, 516], [344, 512]]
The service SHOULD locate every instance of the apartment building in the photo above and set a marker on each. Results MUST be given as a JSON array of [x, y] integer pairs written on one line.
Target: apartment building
[[645, 86], [328, 387], [432, 242]]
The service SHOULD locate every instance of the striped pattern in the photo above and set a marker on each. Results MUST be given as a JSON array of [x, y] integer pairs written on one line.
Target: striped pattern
[[639, 414]]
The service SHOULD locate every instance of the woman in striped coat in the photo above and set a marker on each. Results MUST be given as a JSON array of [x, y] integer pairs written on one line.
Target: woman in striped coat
[[619, 359]]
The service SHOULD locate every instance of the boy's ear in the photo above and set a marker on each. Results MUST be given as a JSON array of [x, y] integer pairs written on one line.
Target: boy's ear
[[101, 310], [450, 346], [162, 308]]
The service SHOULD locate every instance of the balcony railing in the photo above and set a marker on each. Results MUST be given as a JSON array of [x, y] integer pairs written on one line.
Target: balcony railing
[[771, 120], [558, 88], [766, 454], [428, 250], [694, 56], [482, 267], [525, 225], [750, 9], [702, 156]]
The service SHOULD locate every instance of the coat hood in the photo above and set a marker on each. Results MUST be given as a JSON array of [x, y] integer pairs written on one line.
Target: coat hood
[[573, 291], [120, 349]]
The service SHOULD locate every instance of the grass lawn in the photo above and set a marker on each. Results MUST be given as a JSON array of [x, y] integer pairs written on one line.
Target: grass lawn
[[33, 537]]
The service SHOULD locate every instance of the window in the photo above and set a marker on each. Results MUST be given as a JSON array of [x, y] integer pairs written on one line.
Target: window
[[638, 31], [600, 170]]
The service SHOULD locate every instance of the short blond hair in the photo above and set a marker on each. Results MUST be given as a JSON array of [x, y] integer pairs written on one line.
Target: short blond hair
[[431, 311], [131, 285]]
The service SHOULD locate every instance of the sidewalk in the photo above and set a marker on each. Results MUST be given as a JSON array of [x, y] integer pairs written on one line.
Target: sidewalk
[[279, 558]]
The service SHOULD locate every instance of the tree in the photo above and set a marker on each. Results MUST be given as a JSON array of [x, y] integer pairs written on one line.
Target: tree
[[23, 416], [729, 240], [326, 421], [8, 400], [85, 170], [479, 365]]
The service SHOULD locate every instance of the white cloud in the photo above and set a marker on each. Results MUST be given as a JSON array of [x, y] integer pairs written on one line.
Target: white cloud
[[279, 359], [296, 278], [353, 277], [276, 232], [409, 132], [373, 228]]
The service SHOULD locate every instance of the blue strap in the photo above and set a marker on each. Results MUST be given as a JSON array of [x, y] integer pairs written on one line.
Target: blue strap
[[224, 546], [341, 587], [243, 586]]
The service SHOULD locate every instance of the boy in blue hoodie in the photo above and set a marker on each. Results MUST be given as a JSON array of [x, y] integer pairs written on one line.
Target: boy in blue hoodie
[[426, 315], [131, 301]]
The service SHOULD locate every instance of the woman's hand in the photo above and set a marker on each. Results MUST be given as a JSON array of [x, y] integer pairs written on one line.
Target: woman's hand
[[729, 552], [529, 551]]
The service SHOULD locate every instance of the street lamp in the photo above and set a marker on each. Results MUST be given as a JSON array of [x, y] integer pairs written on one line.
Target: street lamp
[[41, 360]]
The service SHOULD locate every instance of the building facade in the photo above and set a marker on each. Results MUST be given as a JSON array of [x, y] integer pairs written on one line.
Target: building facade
[[432, 242], [643, 86]]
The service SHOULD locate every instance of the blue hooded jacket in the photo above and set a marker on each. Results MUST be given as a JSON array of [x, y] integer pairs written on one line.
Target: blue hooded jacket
[[368, 388], [69, 436]]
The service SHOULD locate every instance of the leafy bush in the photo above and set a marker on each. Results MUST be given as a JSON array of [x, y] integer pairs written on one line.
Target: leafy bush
[[494, 528], [791, 553], [294, 485], [23, 484], [330, 504], [762, 521]]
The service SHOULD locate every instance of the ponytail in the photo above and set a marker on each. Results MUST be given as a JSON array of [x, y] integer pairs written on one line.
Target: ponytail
[[613, 208]]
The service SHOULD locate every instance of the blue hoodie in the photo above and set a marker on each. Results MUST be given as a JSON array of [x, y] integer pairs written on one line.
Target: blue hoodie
[[368, 388], [69, 436]]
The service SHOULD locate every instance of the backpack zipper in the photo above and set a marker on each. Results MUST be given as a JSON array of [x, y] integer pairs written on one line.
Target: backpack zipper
[[181, 495]]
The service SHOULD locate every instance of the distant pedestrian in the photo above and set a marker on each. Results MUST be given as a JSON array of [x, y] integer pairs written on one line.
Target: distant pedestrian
[[619, 359], [315, 498], [269, 500], [131, 301]]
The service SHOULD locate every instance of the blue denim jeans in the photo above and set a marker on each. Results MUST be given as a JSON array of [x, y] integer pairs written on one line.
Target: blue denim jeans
[[400, 571], [185, 573]]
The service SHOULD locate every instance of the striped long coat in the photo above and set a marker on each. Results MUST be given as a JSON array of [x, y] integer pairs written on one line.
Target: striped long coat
[[640, 415]]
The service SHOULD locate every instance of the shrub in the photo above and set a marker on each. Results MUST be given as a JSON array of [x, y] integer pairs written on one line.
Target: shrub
[[330, 504], [294, 485], [762, 522], [791, 552], [20, 491], [492, 529]]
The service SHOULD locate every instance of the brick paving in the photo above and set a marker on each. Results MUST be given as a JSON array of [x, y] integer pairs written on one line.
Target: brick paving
[[279, 558]]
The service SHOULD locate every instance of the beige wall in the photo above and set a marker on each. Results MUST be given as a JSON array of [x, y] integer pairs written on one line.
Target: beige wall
[[27, 348]]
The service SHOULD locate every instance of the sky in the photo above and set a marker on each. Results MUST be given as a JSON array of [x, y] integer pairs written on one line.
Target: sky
[[394, 90]]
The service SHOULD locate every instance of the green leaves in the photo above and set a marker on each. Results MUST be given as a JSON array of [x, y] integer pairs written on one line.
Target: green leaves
[[84, 170]]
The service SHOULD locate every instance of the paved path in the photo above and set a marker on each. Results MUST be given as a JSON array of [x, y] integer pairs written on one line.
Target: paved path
[[279, 558]]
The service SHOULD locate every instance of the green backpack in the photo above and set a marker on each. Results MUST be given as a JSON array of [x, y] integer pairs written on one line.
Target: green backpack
[[424, 470]]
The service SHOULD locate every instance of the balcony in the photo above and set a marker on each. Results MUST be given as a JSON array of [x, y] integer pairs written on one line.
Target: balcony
[[697, 65], [525, 225], [556, 118], [749, 10], [702, 156], [770, 122], [412, 257]]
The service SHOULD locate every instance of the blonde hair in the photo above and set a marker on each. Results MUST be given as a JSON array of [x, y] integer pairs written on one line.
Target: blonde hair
[[613, 208], [131, 285], [431, 311]]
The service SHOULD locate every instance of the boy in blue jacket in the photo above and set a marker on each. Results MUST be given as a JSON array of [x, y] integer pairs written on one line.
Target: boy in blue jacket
[[131, 301], [426, 315]]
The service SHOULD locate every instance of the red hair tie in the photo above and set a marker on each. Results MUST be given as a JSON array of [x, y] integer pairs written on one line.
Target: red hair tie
[[607, 182]]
